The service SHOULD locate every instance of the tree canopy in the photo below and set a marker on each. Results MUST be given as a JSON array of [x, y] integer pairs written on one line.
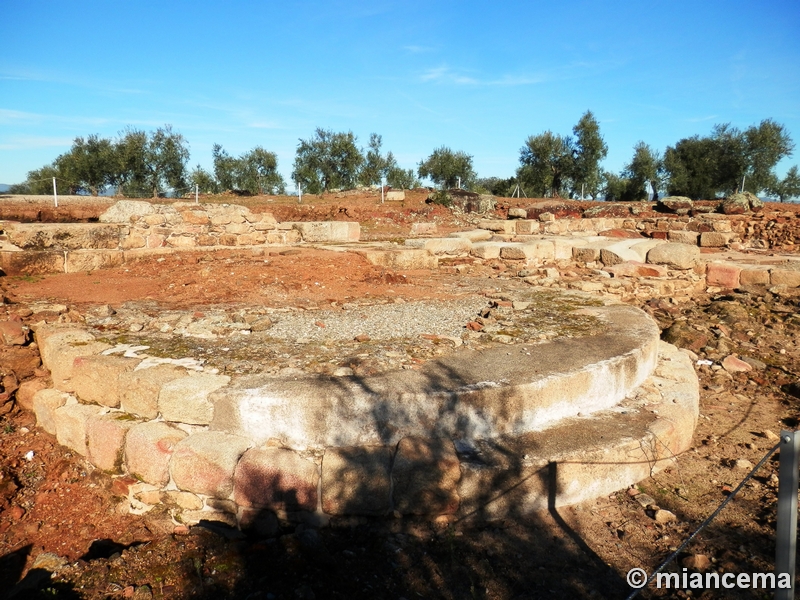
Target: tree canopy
[[445, 168], [254, 172], [327, 161], [556, 165]]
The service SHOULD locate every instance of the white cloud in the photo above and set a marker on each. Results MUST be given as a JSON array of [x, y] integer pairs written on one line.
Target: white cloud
[[446, 75], [32, 141]]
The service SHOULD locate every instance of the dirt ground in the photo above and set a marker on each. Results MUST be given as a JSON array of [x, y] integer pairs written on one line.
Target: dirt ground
[[64, 531]]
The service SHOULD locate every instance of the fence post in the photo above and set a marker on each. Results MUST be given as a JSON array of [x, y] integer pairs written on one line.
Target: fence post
[[786, 535]]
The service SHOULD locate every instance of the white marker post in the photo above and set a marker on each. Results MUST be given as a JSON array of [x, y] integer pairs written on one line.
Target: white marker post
[[299, 193], [196, 192], [383, 185], [55, 192]]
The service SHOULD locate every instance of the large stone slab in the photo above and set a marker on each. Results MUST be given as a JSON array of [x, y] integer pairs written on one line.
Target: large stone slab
[[148, 449], [425, 475], [45, 402], [59, 346], [276, 478], [440, 246], [78, 261], [96, 379], [31, 262], [467, 395], [356, 480], [105, 440], [328, 231], [406, 258], [186, 400], [204, 462], [63, 236], [584, 458], [139, 390], [72, 423], [675, 256]]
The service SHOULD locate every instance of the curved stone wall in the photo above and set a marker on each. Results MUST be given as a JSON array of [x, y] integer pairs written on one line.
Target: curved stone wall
[[465, 434]]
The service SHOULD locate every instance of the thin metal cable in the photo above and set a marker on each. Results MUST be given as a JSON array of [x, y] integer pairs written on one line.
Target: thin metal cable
[[704, 524]]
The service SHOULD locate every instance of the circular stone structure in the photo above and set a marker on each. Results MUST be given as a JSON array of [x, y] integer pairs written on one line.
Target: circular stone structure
[[500, 430]]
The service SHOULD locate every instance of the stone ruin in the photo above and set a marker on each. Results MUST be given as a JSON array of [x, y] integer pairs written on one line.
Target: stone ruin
[[503, 431]]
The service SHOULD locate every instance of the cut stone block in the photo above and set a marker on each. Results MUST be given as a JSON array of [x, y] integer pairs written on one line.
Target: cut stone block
[[527, 227], [148, 448], [45, 402], [423, 228], [356, 480], [425, 476], [714, 239], [277, 479], [754, 277], [28, 389], [683, 237], [32, 262], [95, 379], [186, 400], [410, 258], [475, 235], [723, 275], [60, 346], [785, 277], [106, 440], [78, 261], [204, 462], [508, 227], [438, 246], [487, 250], [675, 256], [72, 422], [139, 390]]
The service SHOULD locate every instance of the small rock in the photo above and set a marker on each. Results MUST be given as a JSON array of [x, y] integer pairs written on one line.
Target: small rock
[[143, 592], [49, 562], [474, 326], [13, 333], [770, 435], [743, 463], [698, 562], [645, 500], [343, 372], [664, 516], [16, 512], [734, 365], [362, 337], [180, 530]]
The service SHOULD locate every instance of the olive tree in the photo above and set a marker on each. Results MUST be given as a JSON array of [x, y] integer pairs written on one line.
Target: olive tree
[[445, 168]]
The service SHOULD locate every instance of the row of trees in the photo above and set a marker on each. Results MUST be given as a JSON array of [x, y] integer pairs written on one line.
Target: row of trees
[[727, 161], [139, 163]]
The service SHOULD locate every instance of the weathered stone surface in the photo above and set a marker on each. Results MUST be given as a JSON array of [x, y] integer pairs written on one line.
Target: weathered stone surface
[[487, 250], [63, 236], [674, 203], [395, 195], [105, 440], [750, 276], [636, 269], [204, 462], [186, 400], [440, 246], [498, 226], [714, 239], [28, 389], [723, 275], [328, 231], [79, 261], [474, 235], [683, 237], [45, 402], [356, 480], [95, 379], [126, 211], [675, 256], [31, 262], [59, 346], [557, 208], [733, 364], [517, 213], [406, 258], [13, 333], [148, 449], [611, 210], [72, 424], [536, 250], [139, 390], [276, 478], [788, 277], [423, 228], [527, 227], [738, 204], [425, 475]]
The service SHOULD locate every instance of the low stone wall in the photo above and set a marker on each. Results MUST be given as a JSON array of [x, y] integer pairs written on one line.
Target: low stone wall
[[166, 431], [131, 226]]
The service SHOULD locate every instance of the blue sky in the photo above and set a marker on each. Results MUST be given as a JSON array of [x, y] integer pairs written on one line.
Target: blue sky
[[475, 76]]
